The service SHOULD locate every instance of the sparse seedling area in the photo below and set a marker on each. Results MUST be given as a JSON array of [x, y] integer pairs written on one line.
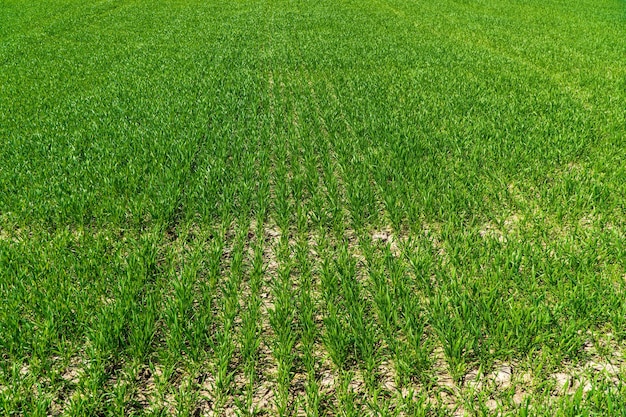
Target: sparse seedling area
[[312, 208]]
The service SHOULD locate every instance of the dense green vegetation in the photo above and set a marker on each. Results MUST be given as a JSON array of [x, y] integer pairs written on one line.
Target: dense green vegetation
[[374, 207]]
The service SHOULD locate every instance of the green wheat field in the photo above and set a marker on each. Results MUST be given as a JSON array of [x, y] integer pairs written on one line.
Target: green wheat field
[[313, 208]]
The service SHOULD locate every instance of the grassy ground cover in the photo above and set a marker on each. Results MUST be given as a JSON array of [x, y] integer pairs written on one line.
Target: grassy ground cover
[[376, 207]]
